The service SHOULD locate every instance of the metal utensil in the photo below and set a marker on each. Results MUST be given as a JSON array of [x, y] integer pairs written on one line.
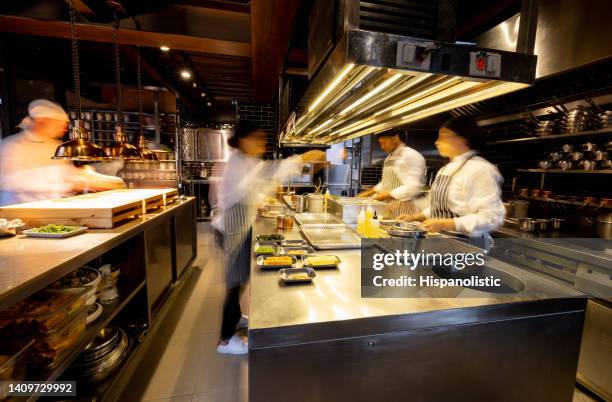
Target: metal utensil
[[600, 155], [589, 146], [545, 164], [556, 223], [555, 156], [589, 165], [577, 155], [527, 224], [567, 148]]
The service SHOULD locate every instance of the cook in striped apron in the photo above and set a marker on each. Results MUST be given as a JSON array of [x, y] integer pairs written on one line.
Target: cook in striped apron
[[440, 207], [389, 182]]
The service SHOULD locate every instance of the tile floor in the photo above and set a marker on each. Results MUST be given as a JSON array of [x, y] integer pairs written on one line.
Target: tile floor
[[183, 365]]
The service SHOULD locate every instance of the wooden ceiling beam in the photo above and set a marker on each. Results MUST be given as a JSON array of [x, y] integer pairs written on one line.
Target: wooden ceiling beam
[[99, 33], [271, 27]]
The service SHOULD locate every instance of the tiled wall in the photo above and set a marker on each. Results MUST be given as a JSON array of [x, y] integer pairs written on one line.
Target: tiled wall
[[262, 115]]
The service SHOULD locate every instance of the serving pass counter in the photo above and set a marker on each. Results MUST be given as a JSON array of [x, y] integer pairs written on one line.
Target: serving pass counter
[[152, 254]]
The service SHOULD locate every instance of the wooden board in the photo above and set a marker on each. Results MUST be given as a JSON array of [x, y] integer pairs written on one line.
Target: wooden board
[[150, 199], [88, 210]]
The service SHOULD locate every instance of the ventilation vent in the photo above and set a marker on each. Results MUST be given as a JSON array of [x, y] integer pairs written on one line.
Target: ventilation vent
[[400, 17]]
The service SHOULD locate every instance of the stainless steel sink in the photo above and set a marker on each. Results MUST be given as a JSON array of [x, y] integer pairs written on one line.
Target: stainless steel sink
[[509, 283]]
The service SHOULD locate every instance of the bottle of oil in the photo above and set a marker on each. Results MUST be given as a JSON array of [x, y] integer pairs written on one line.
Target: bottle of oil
[[369, 214], [361, 229]]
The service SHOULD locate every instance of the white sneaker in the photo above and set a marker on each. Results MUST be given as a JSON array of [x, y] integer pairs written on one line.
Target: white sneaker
[[243, 323], [235, 346]]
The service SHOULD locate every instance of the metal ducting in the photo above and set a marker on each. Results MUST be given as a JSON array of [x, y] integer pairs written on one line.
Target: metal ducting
[[373, 81]]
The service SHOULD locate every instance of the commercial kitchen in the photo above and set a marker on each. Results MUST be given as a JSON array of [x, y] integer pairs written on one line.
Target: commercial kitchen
[[191, 192]]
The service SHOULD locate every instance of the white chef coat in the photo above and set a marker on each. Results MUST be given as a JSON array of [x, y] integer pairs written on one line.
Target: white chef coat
[[27, 172], [249, 179], [407, 170], [474, 195]]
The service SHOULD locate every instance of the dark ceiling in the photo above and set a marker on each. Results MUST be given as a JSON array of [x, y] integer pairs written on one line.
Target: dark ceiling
[[235, 49]]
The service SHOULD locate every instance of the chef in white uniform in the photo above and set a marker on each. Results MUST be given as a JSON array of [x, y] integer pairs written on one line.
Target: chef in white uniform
[[465, 196], [403, 175], [27, 170]]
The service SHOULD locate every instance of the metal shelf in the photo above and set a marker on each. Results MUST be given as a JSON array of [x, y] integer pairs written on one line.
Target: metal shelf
[[603, 171], [565, 202], [127, 291], [606, 131]]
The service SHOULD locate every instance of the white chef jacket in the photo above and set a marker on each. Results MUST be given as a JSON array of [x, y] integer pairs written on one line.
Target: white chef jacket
[[250, 178], [408, 170], [474, 195], [27, 172]]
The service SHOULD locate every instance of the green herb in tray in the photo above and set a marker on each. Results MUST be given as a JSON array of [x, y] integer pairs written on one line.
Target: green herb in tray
[[264, 250], [56, 229], [271, 237]]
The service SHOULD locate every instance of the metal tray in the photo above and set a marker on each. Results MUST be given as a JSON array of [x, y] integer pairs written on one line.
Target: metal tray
[[259, 239], [305, 260], [264, 244], [309, 218], [33, 233], [331, 236], [261, 259], [294, 243], [285, 250], [287, 275]]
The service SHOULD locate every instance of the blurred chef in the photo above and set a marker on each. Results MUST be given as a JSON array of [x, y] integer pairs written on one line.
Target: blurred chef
[[246, 179], [403, 175], [27, 170], [465, 196]]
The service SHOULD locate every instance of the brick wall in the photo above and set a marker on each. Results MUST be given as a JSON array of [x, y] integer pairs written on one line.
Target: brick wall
[[262, 115]]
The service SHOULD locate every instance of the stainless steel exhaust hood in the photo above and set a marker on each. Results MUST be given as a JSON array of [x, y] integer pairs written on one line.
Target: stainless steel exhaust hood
[[374, 81]]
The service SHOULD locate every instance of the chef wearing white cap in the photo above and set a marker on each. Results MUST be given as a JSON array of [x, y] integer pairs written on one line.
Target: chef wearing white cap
[[27, 170]]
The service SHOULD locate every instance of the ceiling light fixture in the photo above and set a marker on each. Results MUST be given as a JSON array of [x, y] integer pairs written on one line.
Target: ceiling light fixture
[[79, 147], [186, 74], [347, 69], [164, 48], [372, 93]]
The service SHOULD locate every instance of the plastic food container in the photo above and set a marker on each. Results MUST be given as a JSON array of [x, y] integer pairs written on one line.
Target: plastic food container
[[91, 287], [13, 368], [40, 313], [50, 349]]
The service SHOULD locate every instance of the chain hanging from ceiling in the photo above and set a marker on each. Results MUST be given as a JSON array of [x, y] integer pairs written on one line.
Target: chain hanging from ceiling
[[75, 58], [118, 70]]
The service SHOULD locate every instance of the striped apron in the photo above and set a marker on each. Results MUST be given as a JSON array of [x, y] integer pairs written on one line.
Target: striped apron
[[237, 237], [441, 210], [390, 181]]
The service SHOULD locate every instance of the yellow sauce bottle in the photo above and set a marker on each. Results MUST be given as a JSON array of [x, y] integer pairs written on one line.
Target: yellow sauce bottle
[[361, 229]]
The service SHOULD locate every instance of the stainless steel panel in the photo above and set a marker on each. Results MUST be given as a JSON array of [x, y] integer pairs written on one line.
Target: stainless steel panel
[[347, 208], [313, 218], [595, 364], [188, 139], [212, 144], [504, 361], [569, 34]]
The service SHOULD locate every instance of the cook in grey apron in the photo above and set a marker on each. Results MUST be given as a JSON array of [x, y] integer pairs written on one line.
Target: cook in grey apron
[[441, 210], [390, 181]]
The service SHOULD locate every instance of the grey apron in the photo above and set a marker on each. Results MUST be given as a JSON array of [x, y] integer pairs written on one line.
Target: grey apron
[[237, 236], [441, 210], [390, 181]]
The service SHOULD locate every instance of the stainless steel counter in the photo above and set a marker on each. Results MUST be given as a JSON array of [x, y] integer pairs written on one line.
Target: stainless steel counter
[[327, 343], [334, 301]]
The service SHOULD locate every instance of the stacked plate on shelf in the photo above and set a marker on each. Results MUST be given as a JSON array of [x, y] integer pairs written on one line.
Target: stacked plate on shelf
[[103, 355]]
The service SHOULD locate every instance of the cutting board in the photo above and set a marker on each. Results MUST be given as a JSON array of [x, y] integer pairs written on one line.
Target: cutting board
[[96, 210]]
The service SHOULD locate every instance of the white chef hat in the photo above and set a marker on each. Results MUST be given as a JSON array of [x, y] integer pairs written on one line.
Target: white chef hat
[[43, 108]]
